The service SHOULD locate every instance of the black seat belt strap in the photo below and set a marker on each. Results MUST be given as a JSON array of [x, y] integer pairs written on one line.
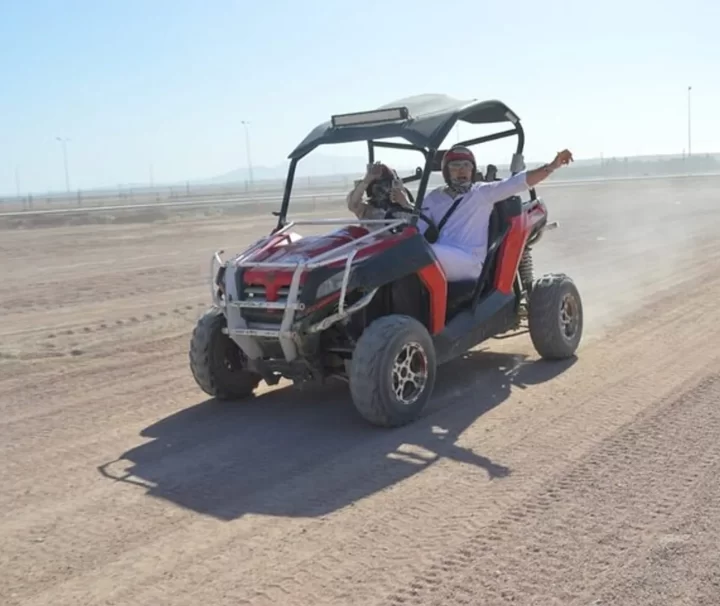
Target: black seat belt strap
[[449, 213]]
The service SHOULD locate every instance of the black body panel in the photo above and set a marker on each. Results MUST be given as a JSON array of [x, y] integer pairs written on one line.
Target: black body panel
[[503, 212], [431, 117], [460, 290], [493, 315], [401, 259]]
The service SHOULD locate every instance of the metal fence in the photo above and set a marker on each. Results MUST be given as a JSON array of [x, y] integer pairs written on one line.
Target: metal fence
[[270, 191]]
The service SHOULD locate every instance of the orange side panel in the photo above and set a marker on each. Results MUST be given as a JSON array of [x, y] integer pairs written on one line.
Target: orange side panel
[[434, 279]]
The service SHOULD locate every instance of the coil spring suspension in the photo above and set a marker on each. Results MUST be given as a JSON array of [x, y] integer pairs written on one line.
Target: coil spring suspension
[[525, 269]]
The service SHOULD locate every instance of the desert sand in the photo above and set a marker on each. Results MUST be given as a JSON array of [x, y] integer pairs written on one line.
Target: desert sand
[[588, 482]]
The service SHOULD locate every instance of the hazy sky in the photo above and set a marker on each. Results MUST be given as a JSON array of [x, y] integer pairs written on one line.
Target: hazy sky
[[135, 83]]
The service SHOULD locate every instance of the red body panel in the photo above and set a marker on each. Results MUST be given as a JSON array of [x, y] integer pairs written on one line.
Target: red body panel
[[281, 250], [284, 251], [433, 277], [509, 255], [512, 248]]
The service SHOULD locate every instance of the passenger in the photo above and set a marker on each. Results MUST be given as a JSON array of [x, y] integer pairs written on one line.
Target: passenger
[[380, 185], [491, 173], [462, 243]]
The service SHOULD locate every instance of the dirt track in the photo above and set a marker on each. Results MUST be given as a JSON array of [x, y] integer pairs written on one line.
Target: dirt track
[[591, 482]]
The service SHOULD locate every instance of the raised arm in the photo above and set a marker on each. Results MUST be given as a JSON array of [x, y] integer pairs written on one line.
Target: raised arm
[[495, 191], [354, 199], [537, 175], [500, 190]]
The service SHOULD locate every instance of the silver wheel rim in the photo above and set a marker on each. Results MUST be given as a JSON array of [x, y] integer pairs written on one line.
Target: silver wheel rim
[[409, 373], [569, 316]]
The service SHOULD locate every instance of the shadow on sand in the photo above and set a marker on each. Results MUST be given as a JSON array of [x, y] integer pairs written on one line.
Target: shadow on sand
[[306, 453]]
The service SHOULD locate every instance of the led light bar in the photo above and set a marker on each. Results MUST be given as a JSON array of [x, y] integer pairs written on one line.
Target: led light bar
[[377, 116]]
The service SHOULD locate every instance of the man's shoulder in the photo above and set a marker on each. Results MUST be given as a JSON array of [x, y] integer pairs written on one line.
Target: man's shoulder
[[480, 185], [433, 194], [440, 189]]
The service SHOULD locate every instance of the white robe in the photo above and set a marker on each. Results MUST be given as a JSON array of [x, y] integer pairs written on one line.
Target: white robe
[[463, 242]]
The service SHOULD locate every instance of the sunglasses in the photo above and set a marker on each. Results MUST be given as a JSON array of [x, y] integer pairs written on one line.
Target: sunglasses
[[460, 164]]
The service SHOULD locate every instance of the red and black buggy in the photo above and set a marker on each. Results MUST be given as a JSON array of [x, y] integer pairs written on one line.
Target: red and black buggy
[[368, 302]]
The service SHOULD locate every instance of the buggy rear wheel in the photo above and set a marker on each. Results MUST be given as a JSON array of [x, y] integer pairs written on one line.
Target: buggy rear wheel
[[393, 369], [218, 365], [555, 316]]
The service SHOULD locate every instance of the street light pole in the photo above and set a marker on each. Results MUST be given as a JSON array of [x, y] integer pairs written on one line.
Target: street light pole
[[689, 133], [245, 124], [63, 142]]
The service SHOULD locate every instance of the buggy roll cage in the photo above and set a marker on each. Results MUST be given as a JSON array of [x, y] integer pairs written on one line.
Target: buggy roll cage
[[423, 121]]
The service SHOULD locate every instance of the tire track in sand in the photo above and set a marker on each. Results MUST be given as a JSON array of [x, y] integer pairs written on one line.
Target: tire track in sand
[[567, 542], [432, 524]]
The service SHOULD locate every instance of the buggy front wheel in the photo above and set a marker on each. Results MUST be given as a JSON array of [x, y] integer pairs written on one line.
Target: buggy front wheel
[[218, 365], [393, 369]]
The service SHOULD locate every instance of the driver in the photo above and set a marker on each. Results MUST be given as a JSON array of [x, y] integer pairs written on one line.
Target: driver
[[381, 185], [462, 243]]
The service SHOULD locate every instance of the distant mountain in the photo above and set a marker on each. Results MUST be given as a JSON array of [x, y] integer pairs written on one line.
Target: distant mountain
[[313, 165], [318, 170], [326, 170]]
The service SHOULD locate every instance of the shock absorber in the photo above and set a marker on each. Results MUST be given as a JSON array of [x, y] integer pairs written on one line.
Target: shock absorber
[[525, 269]]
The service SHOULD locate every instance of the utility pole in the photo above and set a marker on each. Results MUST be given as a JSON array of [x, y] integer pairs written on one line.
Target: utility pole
[[689, 117], [63, 142], [245, 124], [17, 181]]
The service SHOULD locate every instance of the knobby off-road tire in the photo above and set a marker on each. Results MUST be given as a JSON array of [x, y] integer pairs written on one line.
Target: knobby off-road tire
[[554, 332], [217, 363], [394, 351]]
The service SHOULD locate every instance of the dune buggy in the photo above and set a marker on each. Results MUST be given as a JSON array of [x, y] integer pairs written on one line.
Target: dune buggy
[[368, 303]]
